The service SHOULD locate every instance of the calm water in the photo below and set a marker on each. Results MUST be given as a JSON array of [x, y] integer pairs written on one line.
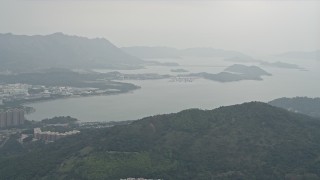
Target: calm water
[[162, 96]]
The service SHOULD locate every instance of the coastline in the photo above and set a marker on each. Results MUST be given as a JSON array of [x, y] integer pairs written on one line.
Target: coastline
[[25, 104]]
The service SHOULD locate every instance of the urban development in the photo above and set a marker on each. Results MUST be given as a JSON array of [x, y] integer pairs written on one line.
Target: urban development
[[10, 93]]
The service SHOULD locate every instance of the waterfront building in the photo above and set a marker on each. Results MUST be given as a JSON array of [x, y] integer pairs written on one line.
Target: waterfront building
[[15, 117], [3, 119], [21, 117], [9, 118], [12, 117]]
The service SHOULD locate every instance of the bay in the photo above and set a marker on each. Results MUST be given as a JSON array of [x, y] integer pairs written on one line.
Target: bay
[[162, 96]]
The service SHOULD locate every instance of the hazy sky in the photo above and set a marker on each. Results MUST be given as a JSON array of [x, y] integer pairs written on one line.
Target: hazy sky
[[254, 26]]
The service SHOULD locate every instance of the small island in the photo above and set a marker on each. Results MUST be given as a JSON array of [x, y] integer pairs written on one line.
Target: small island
[[280, 64], [247, 70], [179, 70], [236, 72]]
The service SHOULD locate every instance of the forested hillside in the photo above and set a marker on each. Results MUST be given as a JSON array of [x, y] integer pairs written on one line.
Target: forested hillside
[[248, 141]]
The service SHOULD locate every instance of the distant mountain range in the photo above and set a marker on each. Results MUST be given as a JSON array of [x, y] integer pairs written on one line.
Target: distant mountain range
[[168, 52], [248, 141], [146, 52], [311, 55], [20, 52]]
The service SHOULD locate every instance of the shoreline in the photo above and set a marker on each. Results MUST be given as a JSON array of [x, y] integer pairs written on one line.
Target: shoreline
[[75, 96], [26, 103]]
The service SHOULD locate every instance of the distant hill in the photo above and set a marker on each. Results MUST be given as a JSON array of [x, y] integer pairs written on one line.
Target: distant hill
[[248, 141], [236, 72], [280, 64], [304, 105], [248, 70], [210, 52], [277, 64], [242, 59], [313, 55], [152, 52], [167, 52], [21, 53]]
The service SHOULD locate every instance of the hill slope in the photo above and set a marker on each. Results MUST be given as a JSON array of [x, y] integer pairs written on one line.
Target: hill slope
[[20, 52], [248, 141]]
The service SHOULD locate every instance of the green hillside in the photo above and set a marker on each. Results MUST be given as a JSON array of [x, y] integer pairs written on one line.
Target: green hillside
[[248, 141]]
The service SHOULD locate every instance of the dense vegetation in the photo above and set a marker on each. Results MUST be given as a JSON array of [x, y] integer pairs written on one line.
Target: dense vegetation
[[304, 105], [60, 120], [248, 141]]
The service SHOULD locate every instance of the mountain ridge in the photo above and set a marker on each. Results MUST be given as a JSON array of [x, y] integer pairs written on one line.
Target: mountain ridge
[[23, 52]]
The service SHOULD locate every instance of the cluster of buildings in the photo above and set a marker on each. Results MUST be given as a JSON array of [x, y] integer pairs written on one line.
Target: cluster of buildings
[[16, 89], [182, 79], [12, 117], [51, 136], [17, 92]]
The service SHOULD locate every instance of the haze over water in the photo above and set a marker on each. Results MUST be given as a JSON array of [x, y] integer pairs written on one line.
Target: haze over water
[[161, 96]]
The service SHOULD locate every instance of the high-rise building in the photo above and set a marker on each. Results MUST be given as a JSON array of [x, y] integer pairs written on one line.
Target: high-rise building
[[15, 117], [21, 117], [9, 118], [3, 119]]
